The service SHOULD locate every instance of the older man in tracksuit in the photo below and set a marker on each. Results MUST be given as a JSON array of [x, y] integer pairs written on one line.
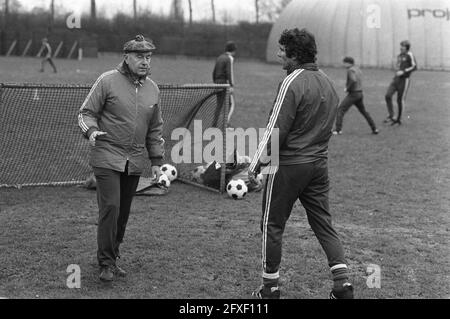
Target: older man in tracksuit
[[303, 115], [120, 117]]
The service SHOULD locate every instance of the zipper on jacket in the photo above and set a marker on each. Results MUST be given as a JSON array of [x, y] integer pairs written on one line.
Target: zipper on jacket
[[135, 120]]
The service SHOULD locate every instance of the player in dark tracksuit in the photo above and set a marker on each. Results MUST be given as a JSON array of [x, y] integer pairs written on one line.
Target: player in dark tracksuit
[[354, 96], [224, 74], [303, 115], [406, 64], [47, 49]]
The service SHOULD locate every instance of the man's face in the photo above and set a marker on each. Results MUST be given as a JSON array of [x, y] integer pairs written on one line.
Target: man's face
[[347, 65], [287, 63], [403, 49], [139, 63]]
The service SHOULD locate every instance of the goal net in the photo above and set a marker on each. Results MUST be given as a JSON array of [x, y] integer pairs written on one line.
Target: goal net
[[41, 143]]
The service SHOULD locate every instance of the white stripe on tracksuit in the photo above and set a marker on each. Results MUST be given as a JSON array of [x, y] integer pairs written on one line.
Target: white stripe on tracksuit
[[232, 70], [273, 118], [271, 124], [405, 91], [269, 188], [81, 122]]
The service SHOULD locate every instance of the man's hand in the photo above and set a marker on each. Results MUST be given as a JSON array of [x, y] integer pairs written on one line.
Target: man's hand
[[94, 135], [399, 73], [156, 172], [231, 90]]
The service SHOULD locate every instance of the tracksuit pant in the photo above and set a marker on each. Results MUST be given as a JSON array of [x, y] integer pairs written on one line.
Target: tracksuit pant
[[357, 99], [310, 184], [221, 97], [115, 191], [401, 86], [50, 61]]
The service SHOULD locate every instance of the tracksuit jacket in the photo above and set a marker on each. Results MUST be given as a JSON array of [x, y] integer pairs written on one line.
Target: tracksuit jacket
[[126, 109], [304, 122], [406, 62], [223, 69]]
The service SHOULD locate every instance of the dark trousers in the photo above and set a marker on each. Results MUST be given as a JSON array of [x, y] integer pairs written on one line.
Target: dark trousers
[[221, 97], [115, 191], [401, 86], [50, 61], [357, 99], [310, 184]]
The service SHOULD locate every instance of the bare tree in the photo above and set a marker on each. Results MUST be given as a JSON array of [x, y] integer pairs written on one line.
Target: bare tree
[[271, 9], [135, 9], [257, 11], [93, 10], [177, 10], [52, 14], [213, 9], [190, 11]]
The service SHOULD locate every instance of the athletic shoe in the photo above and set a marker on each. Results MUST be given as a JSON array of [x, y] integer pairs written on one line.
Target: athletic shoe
[[388, 120], [267, 293], [346, 292], [337, 132], [375, 132], [119, 272], [106, 274], [396, 122]]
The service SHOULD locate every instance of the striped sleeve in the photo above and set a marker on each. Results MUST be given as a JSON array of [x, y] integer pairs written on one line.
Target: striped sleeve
[[282, 116], [92, 106], [231, 71], [413, 63]]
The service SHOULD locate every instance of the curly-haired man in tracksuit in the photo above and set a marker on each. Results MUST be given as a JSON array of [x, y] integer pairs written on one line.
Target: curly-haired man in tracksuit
[[303, 114], [406, 64]]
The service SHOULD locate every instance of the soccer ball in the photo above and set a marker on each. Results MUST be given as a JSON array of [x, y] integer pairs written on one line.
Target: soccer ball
[[170, 171], [237, 189], [164, 180], [260, 178], [244, 159], [197, 174]]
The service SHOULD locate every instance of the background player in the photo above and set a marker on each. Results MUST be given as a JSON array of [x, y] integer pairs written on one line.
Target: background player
[[406, 64], [224, 74], [47, 50], [354, 96]]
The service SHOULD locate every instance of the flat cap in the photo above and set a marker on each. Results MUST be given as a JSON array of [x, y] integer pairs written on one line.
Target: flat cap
[[138, 44]]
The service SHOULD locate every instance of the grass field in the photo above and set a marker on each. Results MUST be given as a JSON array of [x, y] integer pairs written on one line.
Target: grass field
[[390, 199]]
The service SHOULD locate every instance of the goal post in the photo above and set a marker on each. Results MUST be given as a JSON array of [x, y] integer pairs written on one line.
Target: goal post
[[41, 143]]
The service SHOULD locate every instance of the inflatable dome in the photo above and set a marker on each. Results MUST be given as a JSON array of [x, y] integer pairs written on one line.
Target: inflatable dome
[[370, 30]]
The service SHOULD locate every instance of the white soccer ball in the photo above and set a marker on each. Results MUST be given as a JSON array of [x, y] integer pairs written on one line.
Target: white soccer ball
[[170, 171], [208, 165], [244, 159], [237, 189], [260, 178], [197, 174], [164, 180]]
